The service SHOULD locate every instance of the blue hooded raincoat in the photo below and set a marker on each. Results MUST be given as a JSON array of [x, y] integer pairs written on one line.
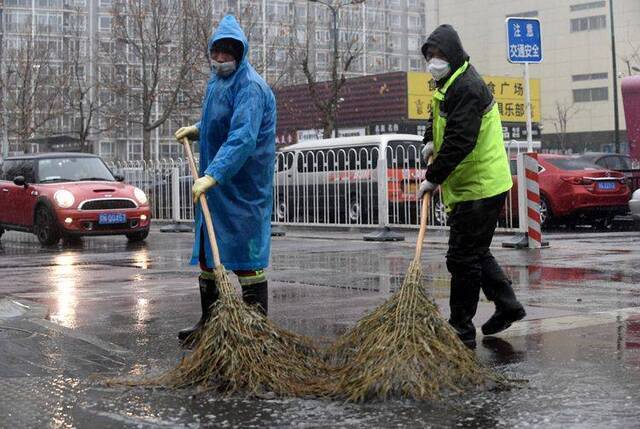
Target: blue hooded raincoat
[[237, 148]]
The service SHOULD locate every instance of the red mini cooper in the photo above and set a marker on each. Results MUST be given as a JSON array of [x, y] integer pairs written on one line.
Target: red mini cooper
[[59, 195]]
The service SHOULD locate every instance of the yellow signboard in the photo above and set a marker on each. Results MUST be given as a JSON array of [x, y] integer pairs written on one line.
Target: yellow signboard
[[508, 92]]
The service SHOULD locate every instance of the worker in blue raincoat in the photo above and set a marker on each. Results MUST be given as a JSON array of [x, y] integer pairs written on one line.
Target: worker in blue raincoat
[[237, 158]]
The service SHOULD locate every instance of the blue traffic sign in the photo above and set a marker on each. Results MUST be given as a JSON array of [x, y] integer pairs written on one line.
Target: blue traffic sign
[[524, 40]]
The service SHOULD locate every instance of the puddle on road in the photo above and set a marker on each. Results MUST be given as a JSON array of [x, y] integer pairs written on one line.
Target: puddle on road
[[539, 276]]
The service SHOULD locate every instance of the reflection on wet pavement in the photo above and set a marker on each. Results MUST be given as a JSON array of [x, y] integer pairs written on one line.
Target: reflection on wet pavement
[[118, 307], [65, 276]]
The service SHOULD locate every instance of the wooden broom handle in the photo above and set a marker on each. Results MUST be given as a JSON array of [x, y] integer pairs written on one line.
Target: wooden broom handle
[[203, 205], [424, 217]]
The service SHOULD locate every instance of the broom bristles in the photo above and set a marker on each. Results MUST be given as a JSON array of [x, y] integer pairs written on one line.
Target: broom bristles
[[405, 349], [240, 351]]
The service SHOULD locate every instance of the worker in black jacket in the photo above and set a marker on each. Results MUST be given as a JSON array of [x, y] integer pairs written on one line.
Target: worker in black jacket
[[470, 165]]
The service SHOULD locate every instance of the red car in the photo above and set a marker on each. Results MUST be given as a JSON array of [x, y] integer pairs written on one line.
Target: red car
[[572, 188], [69, 195], [616, 162]]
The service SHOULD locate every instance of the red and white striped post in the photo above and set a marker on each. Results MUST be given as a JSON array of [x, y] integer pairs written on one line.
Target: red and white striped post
[[534, 231], [529, 231]]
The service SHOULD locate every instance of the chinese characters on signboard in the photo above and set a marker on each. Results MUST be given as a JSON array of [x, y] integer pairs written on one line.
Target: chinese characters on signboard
[[524, 40], [508, 93]]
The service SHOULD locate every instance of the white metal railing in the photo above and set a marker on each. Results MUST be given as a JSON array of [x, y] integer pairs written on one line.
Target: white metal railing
[[166, 182], [358, 187]]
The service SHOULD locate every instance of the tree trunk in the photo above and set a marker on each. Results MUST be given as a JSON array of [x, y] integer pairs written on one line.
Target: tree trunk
[[146, 144], [327, 131], [85, 144]]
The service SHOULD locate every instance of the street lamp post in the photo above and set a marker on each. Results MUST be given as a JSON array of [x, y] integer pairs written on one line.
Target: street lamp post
[[616, 119], [264, 40], [3, 78], [364, 38], [334, 71]]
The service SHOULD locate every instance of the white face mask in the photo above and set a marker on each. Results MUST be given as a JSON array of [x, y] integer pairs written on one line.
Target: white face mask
[[223, 69], [439, 68]]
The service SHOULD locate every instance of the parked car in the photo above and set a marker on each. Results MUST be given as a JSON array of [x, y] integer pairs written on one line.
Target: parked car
[[572, 188], [610, 161], [69, 195], [616, 162]]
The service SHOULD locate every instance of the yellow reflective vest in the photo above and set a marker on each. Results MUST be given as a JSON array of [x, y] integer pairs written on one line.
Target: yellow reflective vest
[[485, 171]]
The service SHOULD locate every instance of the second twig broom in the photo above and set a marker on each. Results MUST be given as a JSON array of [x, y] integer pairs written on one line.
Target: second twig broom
[[405, 348]]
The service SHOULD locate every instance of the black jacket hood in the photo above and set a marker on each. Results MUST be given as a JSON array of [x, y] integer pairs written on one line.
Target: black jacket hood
[[447, 40]]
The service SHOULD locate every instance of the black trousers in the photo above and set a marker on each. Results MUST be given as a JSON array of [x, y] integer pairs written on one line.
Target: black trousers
[[470, 262]]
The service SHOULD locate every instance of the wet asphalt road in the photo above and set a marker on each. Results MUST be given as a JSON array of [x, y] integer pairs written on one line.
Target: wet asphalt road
[[102, 307]]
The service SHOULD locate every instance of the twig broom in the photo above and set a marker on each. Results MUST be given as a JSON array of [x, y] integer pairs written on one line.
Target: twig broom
[[405, 348], [240, 351]]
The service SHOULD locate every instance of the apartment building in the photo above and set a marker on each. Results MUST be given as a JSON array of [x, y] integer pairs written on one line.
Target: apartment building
[[385, 34]]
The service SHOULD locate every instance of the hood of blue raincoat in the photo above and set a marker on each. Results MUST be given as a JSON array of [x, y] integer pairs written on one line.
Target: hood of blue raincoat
[[229, 28]]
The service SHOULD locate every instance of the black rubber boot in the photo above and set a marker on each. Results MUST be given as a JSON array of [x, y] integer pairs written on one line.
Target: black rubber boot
[[257, 294], [502, 319], [208, 296], [497, 288], [463, 302]]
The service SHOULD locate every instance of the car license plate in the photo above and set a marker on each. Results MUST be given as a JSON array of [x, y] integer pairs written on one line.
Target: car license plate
[[606, 186], [112, 218]]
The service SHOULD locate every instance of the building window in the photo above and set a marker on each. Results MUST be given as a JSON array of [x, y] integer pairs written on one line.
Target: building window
[[588, 23], [394, 63], [585, 6], [322, 36], [528, 14], [281, 57], [107, 151], [394, 20], [415, 64], [277, 10], [321, 59], [395, 41], [414, 22], [589, 76], [49, 23], [134, 150], [104, 23], [590, 94], [170, 150], [78, 23], [412, 43], [375, 41], [377, 63]]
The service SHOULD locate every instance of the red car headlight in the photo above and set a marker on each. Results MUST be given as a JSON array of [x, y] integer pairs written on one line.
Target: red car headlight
[[64, 199], [140, 196]]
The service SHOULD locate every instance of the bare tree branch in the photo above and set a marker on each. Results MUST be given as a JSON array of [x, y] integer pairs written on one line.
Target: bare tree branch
[[563, 114], [346, 48], [31, 83], [80, 94], [162, 67]]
